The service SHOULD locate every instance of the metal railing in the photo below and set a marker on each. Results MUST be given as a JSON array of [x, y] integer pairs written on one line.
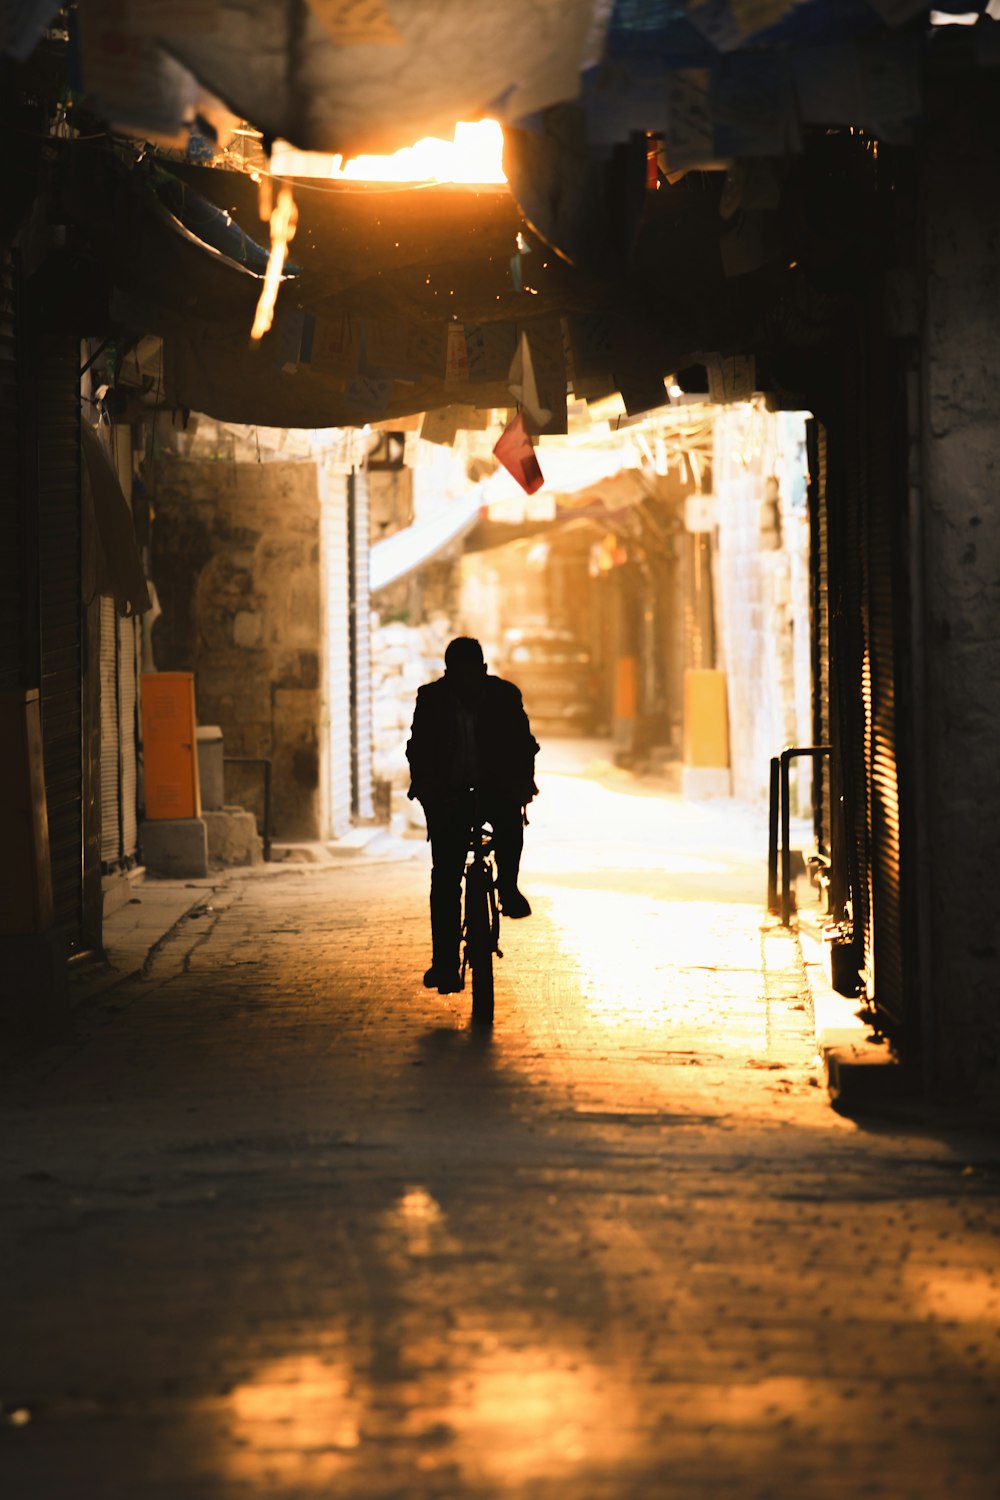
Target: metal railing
[[779, 809]]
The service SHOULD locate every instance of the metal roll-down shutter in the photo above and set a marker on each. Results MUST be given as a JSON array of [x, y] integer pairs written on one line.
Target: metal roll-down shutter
[[361, 671], [336, 570], [57, 394]]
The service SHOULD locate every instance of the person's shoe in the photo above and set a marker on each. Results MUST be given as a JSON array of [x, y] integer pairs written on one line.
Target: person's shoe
[[514, 904], [448, 982]]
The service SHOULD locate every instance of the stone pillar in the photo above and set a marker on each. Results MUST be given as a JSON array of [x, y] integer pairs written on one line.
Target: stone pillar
[[960, 515], [211, 771]]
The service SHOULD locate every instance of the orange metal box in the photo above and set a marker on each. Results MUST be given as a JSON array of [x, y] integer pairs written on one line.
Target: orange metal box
[[706, 719], [170, 746]]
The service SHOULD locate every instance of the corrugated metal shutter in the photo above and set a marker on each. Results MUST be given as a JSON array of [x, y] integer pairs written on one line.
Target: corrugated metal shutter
[[110, 768], [119, 828], [867, 565], [10, 551], [57, 397], [856, 687], [847, 702], [886, 507], [819, 605], [128, 679], [361, 669], [336, 569]]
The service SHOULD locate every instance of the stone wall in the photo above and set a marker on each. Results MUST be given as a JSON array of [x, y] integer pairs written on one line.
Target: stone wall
[[404, 657], [235, 555], [958, 689], [762, 587]]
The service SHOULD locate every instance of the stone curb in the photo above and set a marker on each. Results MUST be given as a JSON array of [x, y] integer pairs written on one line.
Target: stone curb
[[130, 939], [861, 1070]]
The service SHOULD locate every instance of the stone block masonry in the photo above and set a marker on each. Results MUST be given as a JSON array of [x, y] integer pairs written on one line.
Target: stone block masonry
[[232, 838], [236, 567], [404, 657], [762, 592], [175, 847], [958, 680]]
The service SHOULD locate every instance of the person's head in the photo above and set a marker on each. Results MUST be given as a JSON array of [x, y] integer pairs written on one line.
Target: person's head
[[464, 665]]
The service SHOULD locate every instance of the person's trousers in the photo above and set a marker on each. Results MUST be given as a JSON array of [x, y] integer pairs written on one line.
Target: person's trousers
[[448, 828]]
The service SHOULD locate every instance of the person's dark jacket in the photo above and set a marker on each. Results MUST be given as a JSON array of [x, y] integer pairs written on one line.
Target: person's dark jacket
[[504, 741]]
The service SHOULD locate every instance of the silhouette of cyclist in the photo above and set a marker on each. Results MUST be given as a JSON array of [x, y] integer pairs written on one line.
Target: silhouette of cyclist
[[469, 731]]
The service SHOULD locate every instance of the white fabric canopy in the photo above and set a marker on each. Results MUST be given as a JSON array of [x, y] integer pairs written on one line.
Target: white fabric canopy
[[568, 472], [407, 550]]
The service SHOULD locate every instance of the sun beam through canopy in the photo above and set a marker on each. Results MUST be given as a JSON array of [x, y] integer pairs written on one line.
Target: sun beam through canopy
[[474, 156]]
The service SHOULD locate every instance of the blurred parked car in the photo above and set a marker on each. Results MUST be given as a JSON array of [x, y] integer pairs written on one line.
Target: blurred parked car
[[556, 677]]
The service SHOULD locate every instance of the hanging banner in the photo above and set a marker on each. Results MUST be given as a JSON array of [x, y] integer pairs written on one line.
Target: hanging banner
[[522, 384], [752, 104], [641, 390], [689, 144], [591, 343], [288, 343], [546, 342], [336, 345], [391, 349], [440, 425], [515, 450], [128, 76], [731, 377], [490, 349], [456, 365], [368, 396]]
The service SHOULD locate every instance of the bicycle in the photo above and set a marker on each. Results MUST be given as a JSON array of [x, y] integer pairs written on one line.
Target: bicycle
[[481, 927]]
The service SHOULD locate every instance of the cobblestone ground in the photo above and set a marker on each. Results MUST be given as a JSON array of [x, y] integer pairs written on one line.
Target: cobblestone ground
[[277, 1223]]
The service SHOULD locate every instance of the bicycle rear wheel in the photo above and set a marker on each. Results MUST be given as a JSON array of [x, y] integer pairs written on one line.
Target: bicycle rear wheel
[[479, 942], [482, 992]]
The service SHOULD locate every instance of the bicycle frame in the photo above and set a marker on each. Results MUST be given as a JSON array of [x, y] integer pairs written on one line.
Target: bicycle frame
[[481, 928]]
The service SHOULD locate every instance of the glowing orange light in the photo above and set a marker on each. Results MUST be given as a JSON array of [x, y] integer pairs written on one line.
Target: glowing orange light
[[474, 155], [284, 218]]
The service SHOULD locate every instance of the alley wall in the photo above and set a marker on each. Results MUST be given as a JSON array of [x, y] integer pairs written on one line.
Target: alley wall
[[236, 564], [762, 568], [957, 691]]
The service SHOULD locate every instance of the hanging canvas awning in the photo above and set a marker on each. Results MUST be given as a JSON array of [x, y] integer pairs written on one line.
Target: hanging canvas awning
[[337, 75], [407, 550], [346, 76], [399, 301]]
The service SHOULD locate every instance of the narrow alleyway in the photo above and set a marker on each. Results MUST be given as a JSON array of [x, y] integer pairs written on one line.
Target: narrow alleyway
[[278, 1224]]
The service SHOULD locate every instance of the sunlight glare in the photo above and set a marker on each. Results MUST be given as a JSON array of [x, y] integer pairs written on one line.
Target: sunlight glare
[[474, 155], [537, 1413], [416, 1222], [295, 1414], [284, 218]]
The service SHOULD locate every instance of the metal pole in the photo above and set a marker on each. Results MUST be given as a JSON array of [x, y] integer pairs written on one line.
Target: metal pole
[[772, 840], [786, 839], [267, 810], [787, 756]]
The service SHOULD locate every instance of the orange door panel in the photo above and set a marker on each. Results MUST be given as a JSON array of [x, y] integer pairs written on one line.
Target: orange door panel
[[170, 748]]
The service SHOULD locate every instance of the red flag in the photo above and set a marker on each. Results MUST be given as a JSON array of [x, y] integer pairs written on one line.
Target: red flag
[[516, 452]]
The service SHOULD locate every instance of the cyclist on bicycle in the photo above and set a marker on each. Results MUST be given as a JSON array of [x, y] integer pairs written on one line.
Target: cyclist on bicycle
[[471, 753]]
